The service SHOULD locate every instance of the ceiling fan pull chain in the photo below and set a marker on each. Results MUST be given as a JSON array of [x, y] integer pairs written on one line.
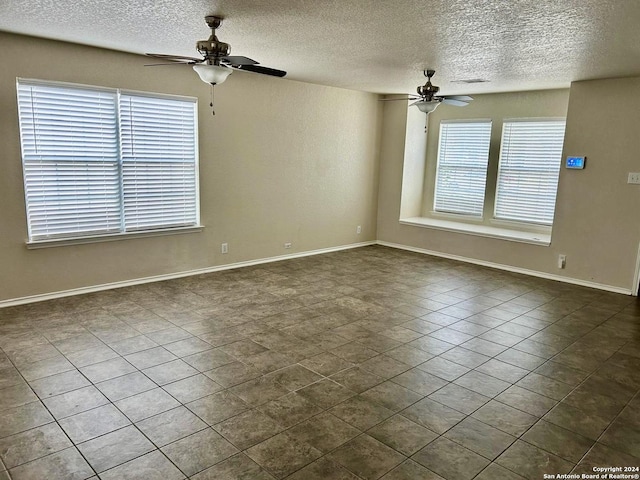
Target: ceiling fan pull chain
[[213, 112]]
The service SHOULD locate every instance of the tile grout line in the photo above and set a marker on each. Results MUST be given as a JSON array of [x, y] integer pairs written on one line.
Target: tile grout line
[[380, 354], [558, 403], [55, 420], [637, 394], [73, 445]]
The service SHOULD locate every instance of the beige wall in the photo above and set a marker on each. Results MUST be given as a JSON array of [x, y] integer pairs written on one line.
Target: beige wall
[[282, 161], [597, 224], [600, 210]]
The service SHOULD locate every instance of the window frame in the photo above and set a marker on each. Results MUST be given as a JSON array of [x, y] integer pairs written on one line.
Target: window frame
[[95, 236], [466, 223]]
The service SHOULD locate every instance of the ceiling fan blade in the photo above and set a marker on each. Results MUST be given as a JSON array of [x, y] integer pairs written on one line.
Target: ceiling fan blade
[[259, 69], [231, 60], [454, 102], [464, 98], [174, 58], [409, 97], [419, 101]]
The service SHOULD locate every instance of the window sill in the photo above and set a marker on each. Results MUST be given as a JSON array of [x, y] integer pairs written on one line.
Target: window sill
[[62, 242], [480, 230]]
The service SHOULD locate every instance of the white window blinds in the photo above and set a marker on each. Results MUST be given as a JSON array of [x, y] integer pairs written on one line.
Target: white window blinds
[[528, 172], [100, 162], [70, 160], [463, 154], [158, 162]]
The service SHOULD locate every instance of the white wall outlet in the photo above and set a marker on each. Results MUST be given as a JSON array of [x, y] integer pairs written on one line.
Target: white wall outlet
[[358, 229], [562, 261], [224, 248], [287, 245], [634, 177]]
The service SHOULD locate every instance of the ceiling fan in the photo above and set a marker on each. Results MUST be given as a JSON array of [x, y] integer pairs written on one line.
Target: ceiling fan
[[216, 64], [428, 101]]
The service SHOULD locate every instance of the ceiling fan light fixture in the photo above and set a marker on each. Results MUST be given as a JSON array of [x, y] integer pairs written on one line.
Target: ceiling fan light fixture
[[213, 74], [427, 107]]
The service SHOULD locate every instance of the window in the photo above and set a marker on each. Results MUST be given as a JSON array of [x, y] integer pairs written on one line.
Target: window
[[101, 161], [461, 174], [528, 171]]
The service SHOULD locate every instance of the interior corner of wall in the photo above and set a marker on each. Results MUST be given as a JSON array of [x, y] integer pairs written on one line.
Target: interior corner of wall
[[415, 152]]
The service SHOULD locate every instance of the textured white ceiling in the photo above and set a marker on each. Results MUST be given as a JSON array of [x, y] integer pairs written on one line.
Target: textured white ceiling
[[371, 45]]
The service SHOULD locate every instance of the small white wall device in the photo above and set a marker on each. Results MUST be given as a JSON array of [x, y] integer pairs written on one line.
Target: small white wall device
[[577, 163]]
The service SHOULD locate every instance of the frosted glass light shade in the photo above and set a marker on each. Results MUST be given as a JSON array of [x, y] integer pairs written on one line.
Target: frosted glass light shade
[[213, 74], [425, 107]]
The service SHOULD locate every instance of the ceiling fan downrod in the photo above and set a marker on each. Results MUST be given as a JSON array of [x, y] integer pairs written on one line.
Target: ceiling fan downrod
[[213, 49], [428, 90]]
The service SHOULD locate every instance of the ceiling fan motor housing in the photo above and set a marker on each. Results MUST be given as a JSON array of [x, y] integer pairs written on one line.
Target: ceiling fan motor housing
[[428, 90], [212, 49]]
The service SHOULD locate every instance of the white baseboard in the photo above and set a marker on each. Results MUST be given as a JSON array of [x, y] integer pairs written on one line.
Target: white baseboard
[[169, 276], [509, 268], [187, 273]]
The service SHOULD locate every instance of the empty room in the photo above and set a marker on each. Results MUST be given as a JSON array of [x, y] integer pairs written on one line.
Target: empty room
[[320, 240]]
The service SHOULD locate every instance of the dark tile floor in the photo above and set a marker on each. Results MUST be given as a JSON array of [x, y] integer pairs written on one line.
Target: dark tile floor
[[368, 363]]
